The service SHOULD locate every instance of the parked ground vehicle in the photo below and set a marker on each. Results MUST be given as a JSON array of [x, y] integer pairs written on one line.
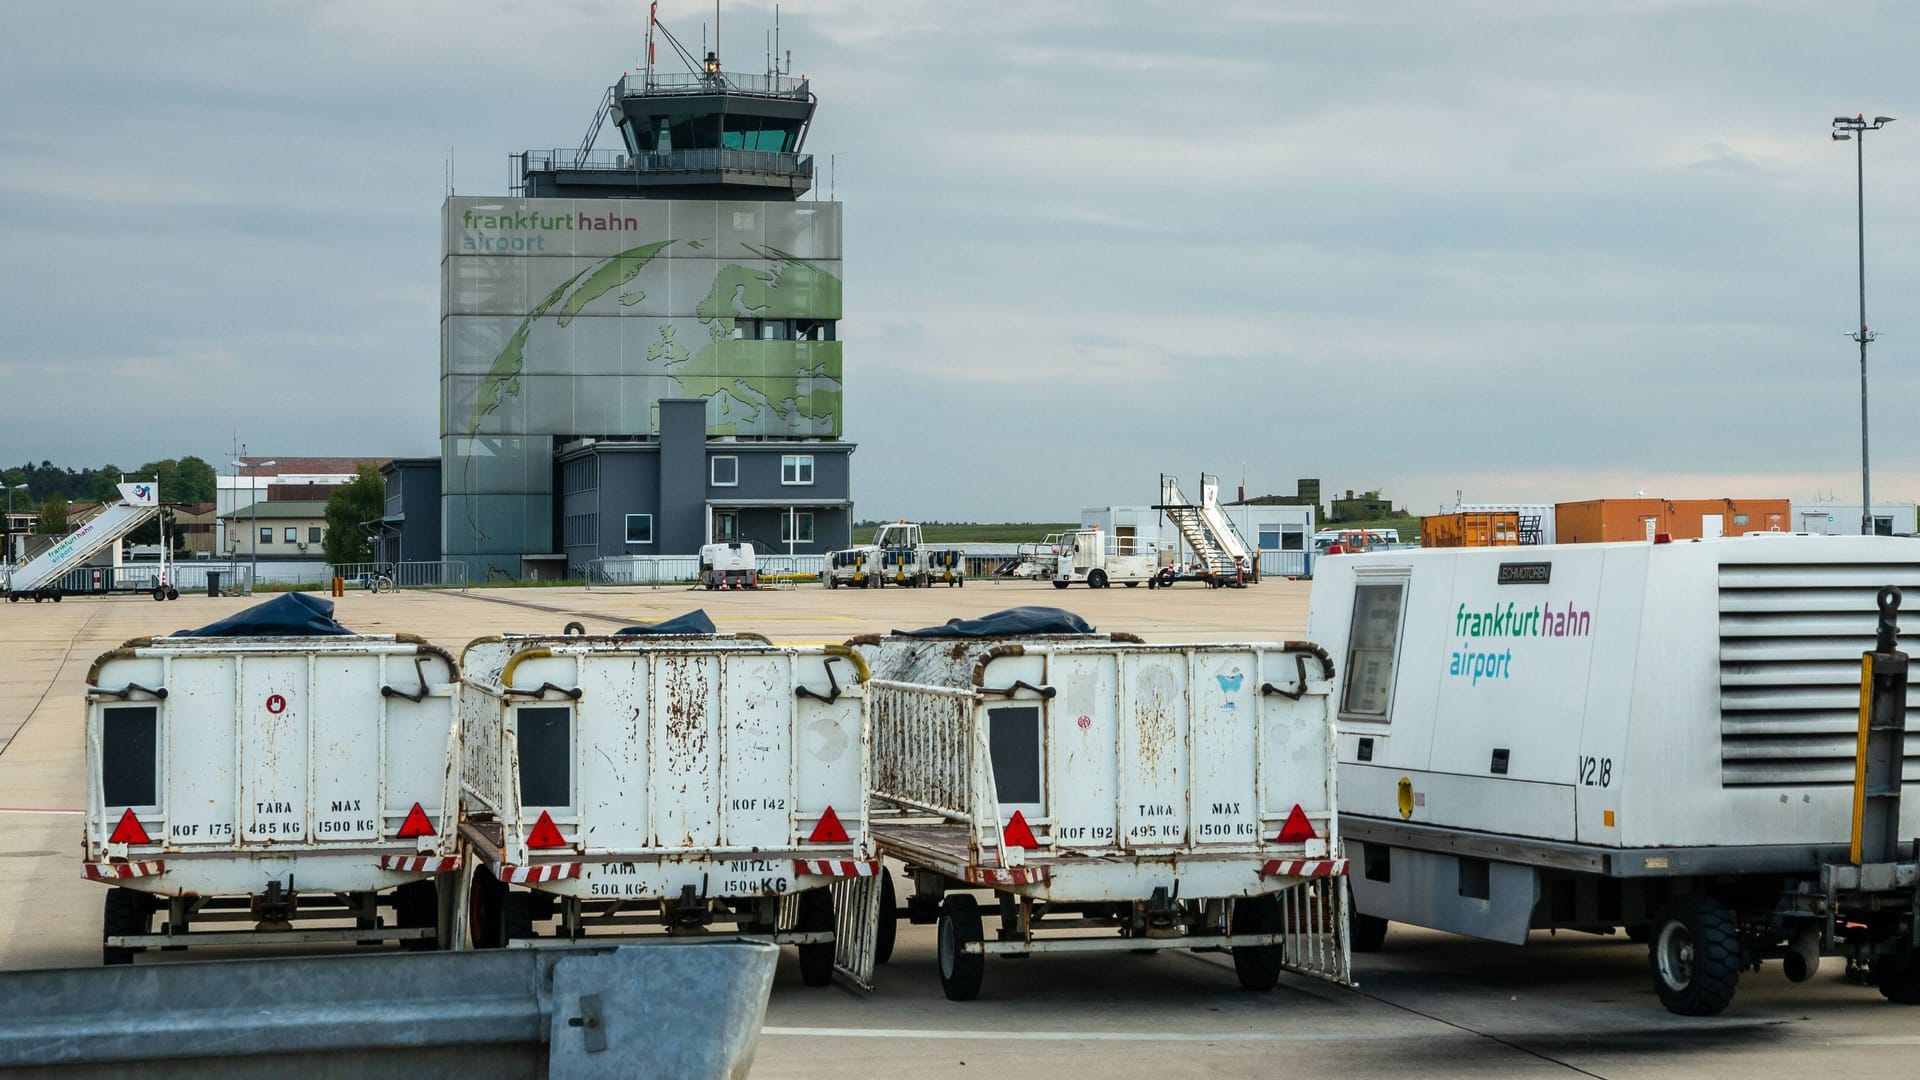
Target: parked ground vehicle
[[271, 769], [37, 579], [1093, 557], [669, 779], [1112, 795], [897, 556], [728, 566], [1709, 697]]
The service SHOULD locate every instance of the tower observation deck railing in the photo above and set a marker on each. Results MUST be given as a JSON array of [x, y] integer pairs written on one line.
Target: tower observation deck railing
[[719, 82], [757, 162]]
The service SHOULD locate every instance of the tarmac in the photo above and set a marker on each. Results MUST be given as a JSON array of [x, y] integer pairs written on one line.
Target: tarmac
[[1428, 1004]]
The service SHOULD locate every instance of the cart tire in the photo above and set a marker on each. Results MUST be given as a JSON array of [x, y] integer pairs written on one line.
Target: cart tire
[[416, 906], [816, 914], [173, 593], [1097, 579], [127, 912], [1899, 980], [960, 972], [1639, 935], [885, 931], [1060, 584], [1694, 956], [485, 910], [516, 915], [56, 596], [1366, 932], [1258, 966], [159, 593]]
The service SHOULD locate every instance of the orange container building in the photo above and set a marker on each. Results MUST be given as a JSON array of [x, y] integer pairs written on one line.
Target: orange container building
[[1683, 519], [1471, 528]]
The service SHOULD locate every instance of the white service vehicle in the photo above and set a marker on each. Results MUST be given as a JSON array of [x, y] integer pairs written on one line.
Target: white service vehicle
[[247, 790], [728, 566], [1113, 795], [627, 784], [897, 556], [1094, 557], [1661, 737]]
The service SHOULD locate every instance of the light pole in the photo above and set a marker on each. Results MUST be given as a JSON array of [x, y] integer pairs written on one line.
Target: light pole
[[253, 493], [1856, 128]]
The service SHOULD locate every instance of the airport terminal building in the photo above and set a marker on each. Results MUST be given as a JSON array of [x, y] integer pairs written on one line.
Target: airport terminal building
[[638, 347]]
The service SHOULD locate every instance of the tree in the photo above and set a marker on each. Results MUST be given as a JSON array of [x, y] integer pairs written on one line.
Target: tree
[[193, 482], [53, 514], [349, 508], [105, 483]]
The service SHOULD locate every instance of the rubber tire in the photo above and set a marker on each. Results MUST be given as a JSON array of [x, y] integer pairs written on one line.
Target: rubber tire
[[128, 911], [159, 593], [1097, 579], [1060, 584], [888, 927], [1639, 935], [484, 910], [1258, 966], [1366, 933], [516, 915], [816, 913], [1133, 584], [416, 905], [1899, 980], [960, 972], [1702, 985], [832, 582], [173, 594]]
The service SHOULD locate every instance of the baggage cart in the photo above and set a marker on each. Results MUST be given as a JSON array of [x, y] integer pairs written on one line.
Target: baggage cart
[[1110, 795], [254, 790], [665, 784]]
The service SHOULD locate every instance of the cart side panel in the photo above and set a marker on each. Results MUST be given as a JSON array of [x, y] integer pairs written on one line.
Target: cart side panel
[[1083, 781], [417, 750], [483, 762], [346, 744], [274, 710], [756, 729], [685, 760], [1224, 739], [1153, 749], [613, 717]]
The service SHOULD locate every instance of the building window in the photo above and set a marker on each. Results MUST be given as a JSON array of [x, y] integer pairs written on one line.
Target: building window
[[266, 534], [1269, 538], [791, 535], [313, 534], [293, 534], [1373, 637], [796, 469], [726, 472], [1293, 538], [639, 528]]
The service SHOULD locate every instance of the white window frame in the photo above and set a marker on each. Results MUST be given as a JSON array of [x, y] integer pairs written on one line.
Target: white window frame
[[787, 520], [713, 470], [795, 465], [1393, 578], [627, 534]]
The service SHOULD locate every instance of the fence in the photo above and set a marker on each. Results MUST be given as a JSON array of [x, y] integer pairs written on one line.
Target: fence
[[184, 576], [441, 574], [662, 1009], [685, 569]]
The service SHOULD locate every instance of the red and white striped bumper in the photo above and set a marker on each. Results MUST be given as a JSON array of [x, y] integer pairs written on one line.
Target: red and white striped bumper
[[122, 871], [837, 867], [1015, 875], [420, 864], [534, 875], [1304, 868]]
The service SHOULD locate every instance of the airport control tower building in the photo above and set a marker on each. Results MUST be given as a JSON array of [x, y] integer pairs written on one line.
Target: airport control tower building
[[638, 347]]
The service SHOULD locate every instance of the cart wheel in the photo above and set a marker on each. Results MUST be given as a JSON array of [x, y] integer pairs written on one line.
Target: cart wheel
[[159, 593], [173, 593], [416, 906], [960, 972], [516, 915], [1097, 579], [1639, 935], [1060, 584], [127, 912], [887, 928], [1133, 584], [1695, 956], [56, 596], [816, 914], [832, 583], [486, 905], [1899, 980], [1257, 965], [1366, 933]]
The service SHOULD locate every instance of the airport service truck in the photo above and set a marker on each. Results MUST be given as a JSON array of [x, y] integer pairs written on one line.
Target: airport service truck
[[1093, 557], [1666, 738], [1109, 795], [897, 556], [663, 782], [271, 779], [728, 566]]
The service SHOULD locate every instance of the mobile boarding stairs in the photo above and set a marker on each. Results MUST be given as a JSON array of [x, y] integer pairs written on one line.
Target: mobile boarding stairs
[[37, 579]]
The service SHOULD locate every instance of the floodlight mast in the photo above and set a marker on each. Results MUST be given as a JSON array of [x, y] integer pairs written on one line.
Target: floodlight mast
[[1855, 128]]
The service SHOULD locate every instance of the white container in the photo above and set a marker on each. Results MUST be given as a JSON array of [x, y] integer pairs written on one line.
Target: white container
[[1591, 735], [635, 783], [277, 780], [1137, 788]]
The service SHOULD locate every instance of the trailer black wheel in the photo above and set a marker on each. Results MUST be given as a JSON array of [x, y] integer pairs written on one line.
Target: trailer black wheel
[[960, 971], [486, 913], [1060, 584], [159, 593], [516, 915], [416, 906], [56, 596], [1096, 579], [1257, 965], [816, 915], [1898, 979], [173, 593], [1133, 584], [127, 912], [888, 927], [1694, 956], [1366, 932]]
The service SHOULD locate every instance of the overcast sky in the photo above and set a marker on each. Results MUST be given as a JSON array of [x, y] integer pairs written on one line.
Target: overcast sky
[[1522, 249]]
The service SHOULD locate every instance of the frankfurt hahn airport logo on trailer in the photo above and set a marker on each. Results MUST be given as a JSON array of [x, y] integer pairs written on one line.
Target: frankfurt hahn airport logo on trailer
[[1474, 663]]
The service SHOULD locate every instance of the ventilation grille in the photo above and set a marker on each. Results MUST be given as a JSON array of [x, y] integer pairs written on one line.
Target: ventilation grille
[[1791, 637]]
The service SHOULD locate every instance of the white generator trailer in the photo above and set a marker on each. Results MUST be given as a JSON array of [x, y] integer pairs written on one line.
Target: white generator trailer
[[248, 790], [1656, 736], [1094, 557], [1111, 796], [635, 785], [728, 566]]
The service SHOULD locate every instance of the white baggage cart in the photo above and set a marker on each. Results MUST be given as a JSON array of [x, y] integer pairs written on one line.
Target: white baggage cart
[[245, 790], [1113, 796], [1709, 697], [632, 784]]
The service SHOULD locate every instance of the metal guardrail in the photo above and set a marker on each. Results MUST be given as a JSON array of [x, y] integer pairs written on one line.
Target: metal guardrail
[[675, 1008], [764, 162], [712, 83], [1298, 564], [426, 574], [685, 569]]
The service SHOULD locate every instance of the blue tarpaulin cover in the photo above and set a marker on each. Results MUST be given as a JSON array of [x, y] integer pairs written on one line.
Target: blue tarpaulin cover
[[1013, 622], [293, 614], [693, 622]]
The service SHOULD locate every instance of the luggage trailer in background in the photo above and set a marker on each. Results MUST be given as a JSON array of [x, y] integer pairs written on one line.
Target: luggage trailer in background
[[634, 785], [1112, 796]]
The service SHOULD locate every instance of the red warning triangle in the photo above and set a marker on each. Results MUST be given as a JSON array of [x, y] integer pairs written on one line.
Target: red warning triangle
[[1017, 834], [1297, 829], [545, 833], [829, 830], [415, 825], [129, 831]]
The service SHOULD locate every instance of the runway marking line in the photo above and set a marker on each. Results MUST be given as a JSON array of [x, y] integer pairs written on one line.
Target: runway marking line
[[1075, 1036], [35, 810]]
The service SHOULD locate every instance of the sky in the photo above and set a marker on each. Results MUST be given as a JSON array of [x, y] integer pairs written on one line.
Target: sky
[[1524, 251]]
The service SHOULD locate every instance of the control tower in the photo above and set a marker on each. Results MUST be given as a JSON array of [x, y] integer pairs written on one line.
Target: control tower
[[639, 345]]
